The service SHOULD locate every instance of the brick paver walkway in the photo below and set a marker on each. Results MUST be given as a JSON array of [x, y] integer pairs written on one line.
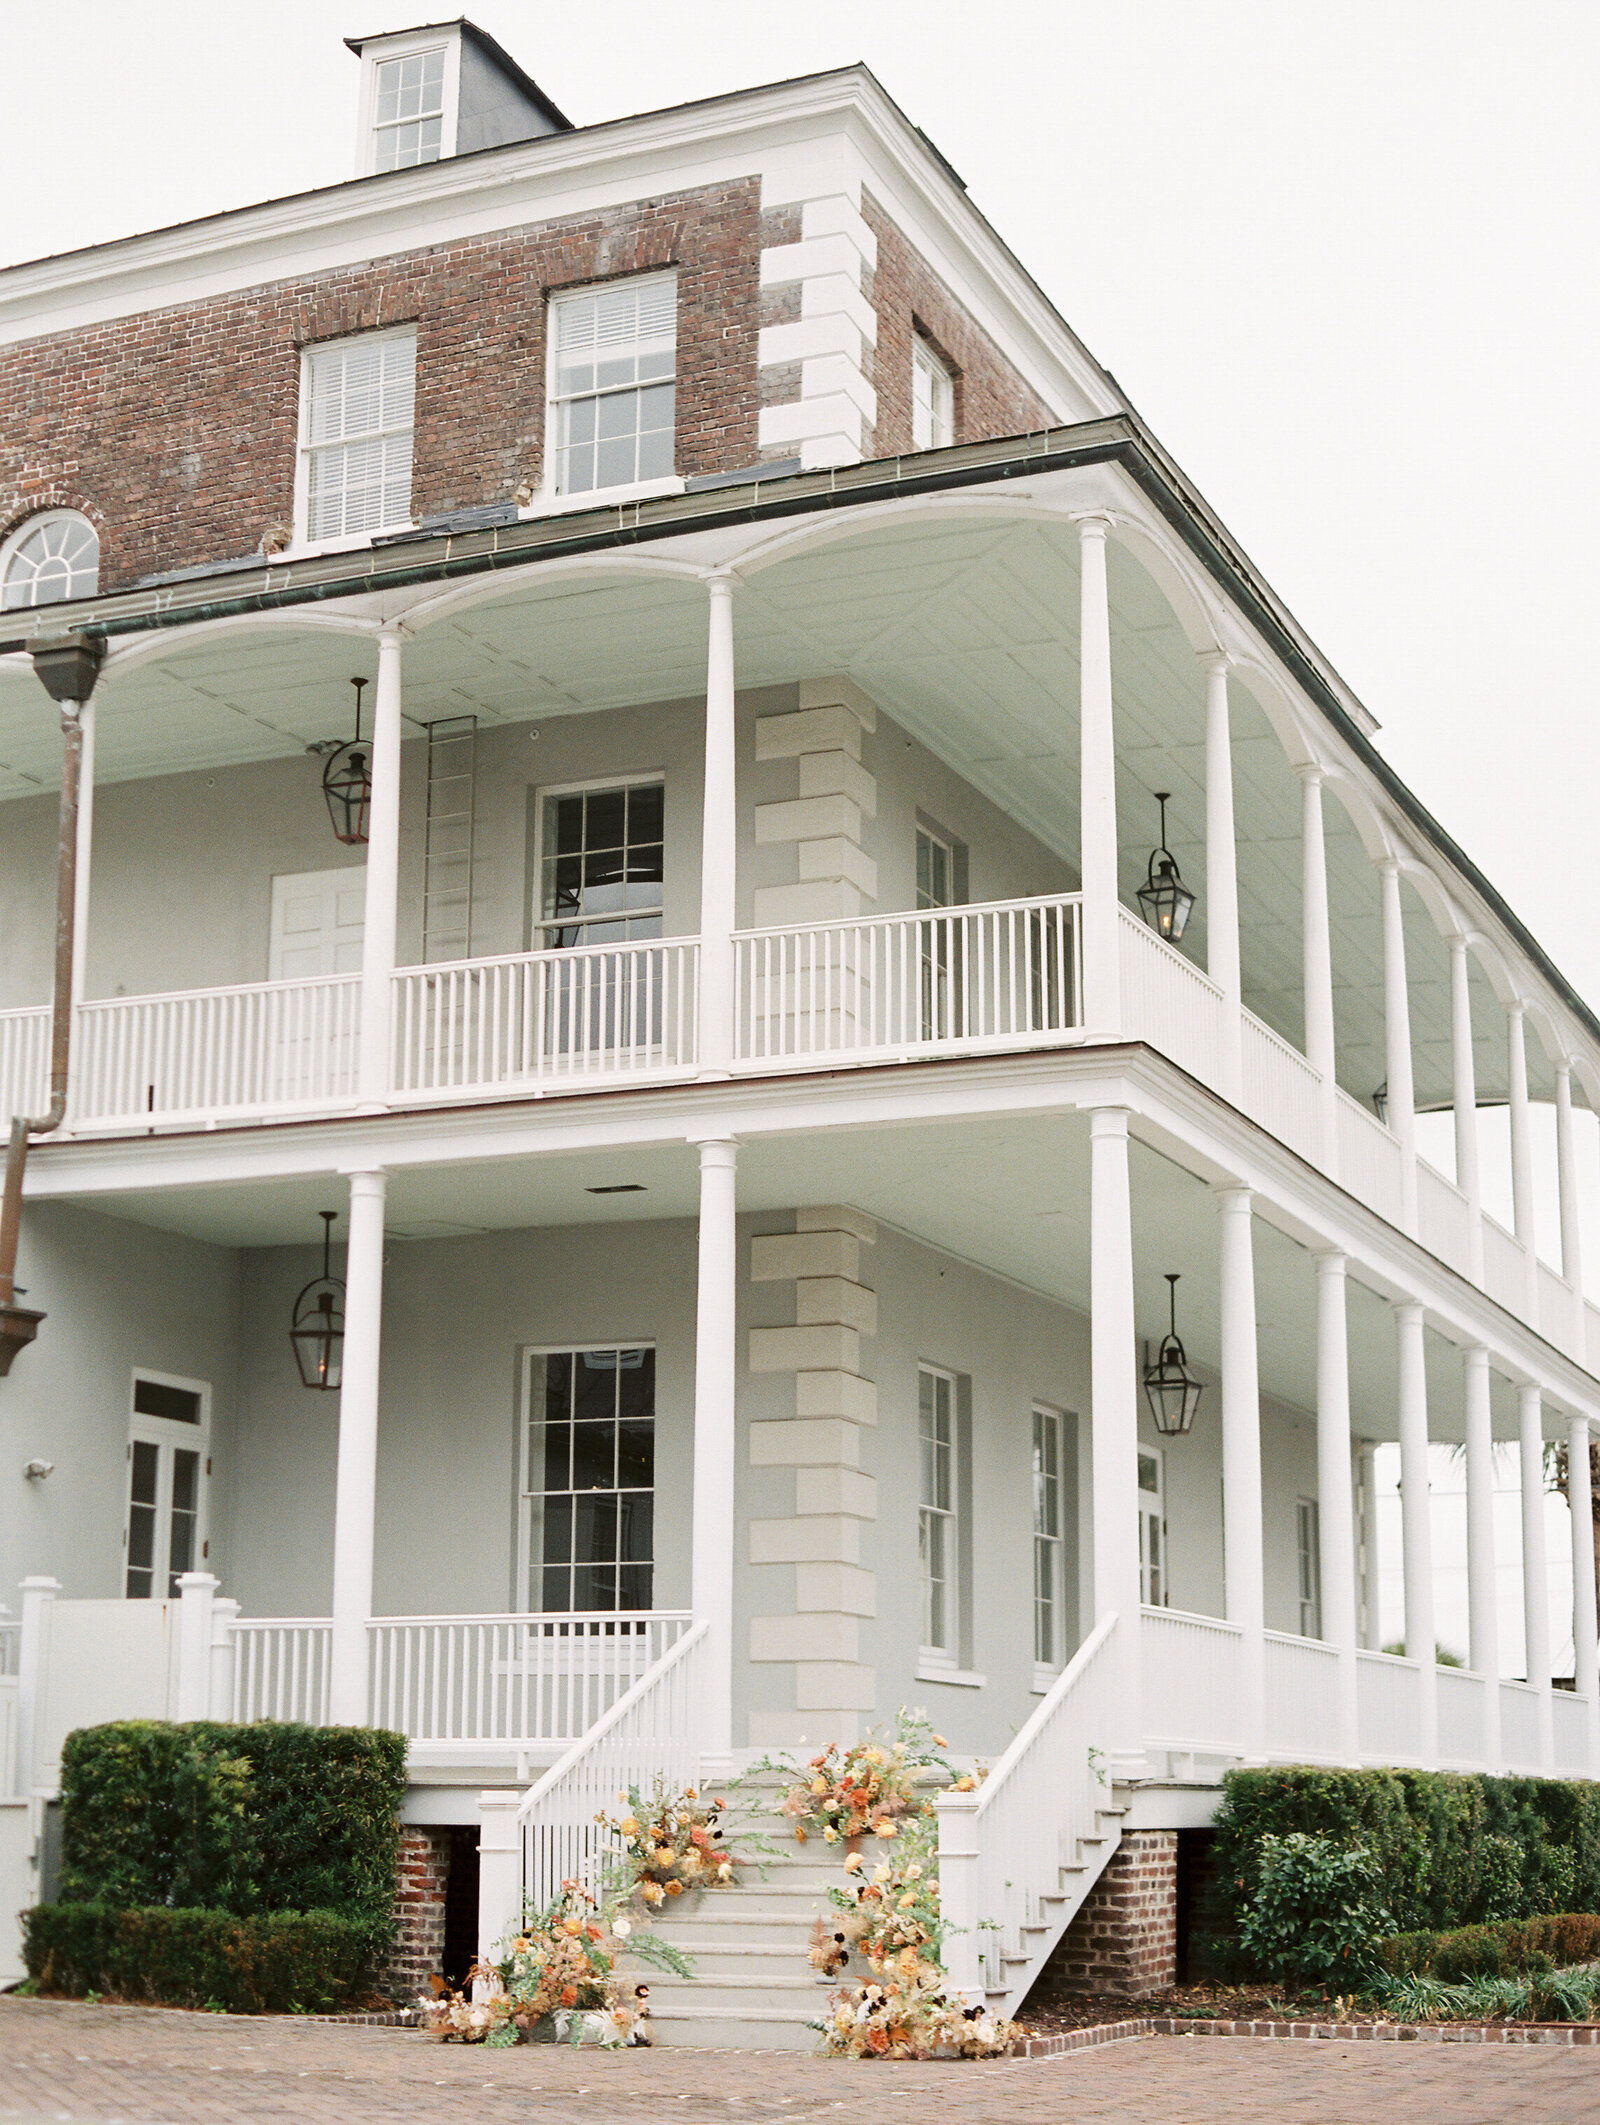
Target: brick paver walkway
[[135, 2066]]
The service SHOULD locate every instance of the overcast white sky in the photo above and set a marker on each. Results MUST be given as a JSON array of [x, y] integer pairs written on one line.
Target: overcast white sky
[[1340, 254]]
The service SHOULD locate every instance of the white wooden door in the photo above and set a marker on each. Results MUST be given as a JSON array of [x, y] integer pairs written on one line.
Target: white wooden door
[[169, 1463], [316, 923]]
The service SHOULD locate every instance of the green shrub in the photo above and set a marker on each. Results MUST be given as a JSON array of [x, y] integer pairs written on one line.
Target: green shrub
[[1314, 1915], [248, 1820], [1513, 1948], [317, 1961]]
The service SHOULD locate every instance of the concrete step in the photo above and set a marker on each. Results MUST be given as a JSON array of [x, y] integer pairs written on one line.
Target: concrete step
[[736, 2029], [736, 1957], [797, 1996]]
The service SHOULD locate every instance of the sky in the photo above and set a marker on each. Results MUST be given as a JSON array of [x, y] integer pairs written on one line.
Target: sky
[[1340, 256]]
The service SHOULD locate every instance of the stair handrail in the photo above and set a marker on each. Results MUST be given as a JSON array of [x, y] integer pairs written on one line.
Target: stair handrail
[[985, 1903]]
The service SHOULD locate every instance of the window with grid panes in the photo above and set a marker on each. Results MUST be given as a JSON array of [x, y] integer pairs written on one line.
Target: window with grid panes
[[613, 396], [932, 399], [408, 110], [357, 405], [1308, 1547], [167, 1467], [50, 558], [936, 1510], [1152, 1530], [589, 1480], [1047, 1650], [602, 853]]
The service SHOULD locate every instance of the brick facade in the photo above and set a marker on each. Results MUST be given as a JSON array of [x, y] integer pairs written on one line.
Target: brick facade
[[990, 396], [421, 1881], [175, 430], [1125, 1939]]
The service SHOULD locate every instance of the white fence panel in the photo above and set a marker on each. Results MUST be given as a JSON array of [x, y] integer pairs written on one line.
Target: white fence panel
[[1192, 1667], [280, 1668], [24, 1062], [1389, 1708], [10, 1647], [1005, 973], [1463, 1708], [1519, 1726], [1444, 1218], [471, 1679], [1505, 1268], [1302, 1692], [272, 1047], [1281, 1089], [1369, 1158], [533, 1020], [1167, 1001], [1571, 1719], [1557, 1311], [10, 1782]]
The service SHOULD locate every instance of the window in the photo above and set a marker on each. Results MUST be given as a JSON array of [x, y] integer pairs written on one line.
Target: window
[[936, 888], [356, 406], [601, 856], [1308, 1543], [588, 1484], [1047, 1620], [164, 1535], [1152, 1530], [408, 110], [936, 1511], [932, 399], [612, 395], [50, 558]]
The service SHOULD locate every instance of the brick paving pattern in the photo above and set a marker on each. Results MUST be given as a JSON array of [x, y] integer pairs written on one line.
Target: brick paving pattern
[[139, 2066]]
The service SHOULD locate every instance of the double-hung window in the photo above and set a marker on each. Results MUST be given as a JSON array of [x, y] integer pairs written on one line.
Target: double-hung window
[[588, 1483], [1308, 1557], [1047, 1586], [1152, 1530], [408, 110], [357, 400], [937, 1530], [613, 364], [932, 399]]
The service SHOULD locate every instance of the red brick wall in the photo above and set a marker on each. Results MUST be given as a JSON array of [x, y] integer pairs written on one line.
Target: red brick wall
[[421, 1879], [175, 430], [1125, 1939], [991, 398]]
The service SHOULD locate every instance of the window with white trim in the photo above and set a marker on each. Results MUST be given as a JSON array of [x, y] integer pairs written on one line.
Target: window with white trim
[[357, 403], [601, 854], [938, 1531], [1152, 1530], [588, 1480], [933, 399], [168, 1463], [1308, 1562], [613, 364], [1048, 1635], [48, 559], [408, 110]]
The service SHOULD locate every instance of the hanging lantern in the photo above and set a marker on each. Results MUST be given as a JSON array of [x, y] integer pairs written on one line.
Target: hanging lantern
[[317, 1329], [347, 784], [1170, 1387], [1164, 898]]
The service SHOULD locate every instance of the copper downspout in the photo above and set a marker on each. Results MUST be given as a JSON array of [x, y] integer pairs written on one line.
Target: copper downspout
[[68, 670]]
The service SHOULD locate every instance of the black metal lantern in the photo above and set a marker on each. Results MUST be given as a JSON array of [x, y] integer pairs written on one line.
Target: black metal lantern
[[1164, 897], [1170, 1387], [347, 784], [317, 1330]]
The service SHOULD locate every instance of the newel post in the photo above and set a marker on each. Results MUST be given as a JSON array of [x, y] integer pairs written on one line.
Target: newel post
[[196, 1595], [499, 1870], [957, 1815], [38, 1595]]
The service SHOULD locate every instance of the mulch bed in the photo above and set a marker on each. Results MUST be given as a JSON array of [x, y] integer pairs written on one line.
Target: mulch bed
[[1091, 2010]]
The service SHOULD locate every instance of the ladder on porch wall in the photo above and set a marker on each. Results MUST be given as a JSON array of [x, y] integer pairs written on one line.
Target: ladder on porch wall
[[447, 843]]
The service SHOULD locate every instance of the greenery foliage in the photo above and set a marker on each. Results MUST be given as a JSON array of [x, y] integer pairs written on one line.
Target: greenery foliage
[[1568, 1995], [277, 1963], [1513, 1947], [1315, 1914]]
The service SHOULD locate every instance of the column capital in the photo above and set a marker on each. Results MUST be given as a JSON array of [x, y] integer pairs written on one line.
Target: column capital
[[1234, 1197], [392, 633], [1215, 663], [1094, 523], [373, 1176], [1409, 1312], [1331, 1262], [716, 1150], [1516, 1011], [1108, 1121], [1387, 866], [1312, 774], [722, 582], [1476, 1354]]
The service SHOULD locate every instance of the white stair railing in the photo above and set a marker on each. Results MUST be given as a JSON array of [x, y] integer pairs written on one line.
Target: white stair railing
[[648, 1734], [281, 1668], [1018, 1857]]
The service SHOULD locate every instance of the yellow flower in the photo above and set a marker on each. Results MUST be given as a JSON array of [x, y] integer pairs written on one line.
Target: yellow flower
[[965, 1783], [830, 1833], [628, 1826], [884, 1827], [819, 1785], [853, 1863], [939, 1742]]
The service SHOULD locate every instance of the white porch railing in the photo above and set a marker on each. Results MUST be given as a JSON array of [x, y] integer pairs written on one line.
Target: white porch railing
[[648, 1734], [465, 1680], [1444, 1218], [10, 1779], [1463, 1709], [1167, 1001], [204, 1054], [1369, 1158], [1556, 1312], [280, 1668], [1192, 1669], [25, 1061], [1003, 974], [1389, 1708], [1519, 1725], [534, 1018], [1505, 1266], [1570, 1714], [1302, 1698], [10, 1647], [1018, 1856], [1281, 1089]]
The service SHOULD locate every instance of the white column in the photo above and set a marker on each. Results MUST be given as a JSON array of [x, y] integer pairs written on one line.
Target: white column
[[1464, 1091], [1222, 875], [1535, 1571], [383, 878], [1397, 1040], [715, 1446], [500, 1882], [1114, 1405], [719, 839], [1097, 788], [355, 1500], [1483, 1611], [1244, 1593], [1317, 958], [224, 1644], [1580, 1499], [196, 1594], [84, 852], [1367, 1475], [33, 1659], [1571, 1245], [1416, 1521], [1522, 1210], [1335, 1505]]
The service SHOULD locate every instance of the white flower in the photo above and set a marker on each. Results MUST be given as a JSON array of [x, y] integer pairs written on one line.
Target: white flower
[[622, 1927]]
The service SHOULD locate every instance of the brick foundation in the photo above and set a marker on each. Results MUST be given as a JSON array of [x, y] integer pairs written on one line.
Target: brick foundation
[[1125, 1939], [421, 1879]]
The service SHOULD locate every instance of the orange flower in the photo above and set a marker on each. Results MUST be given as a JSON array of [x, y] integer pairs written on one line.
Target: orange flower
[[799, 1834], [674, 1888], [569, 1995]]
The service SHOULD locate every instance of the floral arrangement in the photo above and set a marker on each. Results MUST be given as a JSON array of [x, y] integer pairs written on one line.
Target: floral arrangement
[[844, 1793], [561, 1968], [671, 1842], [912, 2021]]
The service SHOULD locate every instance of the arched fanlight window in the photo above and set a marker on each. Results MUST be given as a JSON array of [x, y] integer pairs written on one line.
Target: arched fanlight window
[[48, 559]]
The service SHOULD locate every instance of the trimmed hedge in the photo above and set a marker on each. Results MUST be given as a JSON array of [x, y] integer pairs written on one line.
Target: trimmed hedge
[[249, 1819], [1509, 1949], [312, 1961]]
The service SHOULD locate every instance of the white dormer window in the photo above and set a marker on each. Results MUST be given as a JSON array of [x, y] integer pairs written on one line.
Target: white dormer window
[[932, 399], [356, 410], [408, 110]]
